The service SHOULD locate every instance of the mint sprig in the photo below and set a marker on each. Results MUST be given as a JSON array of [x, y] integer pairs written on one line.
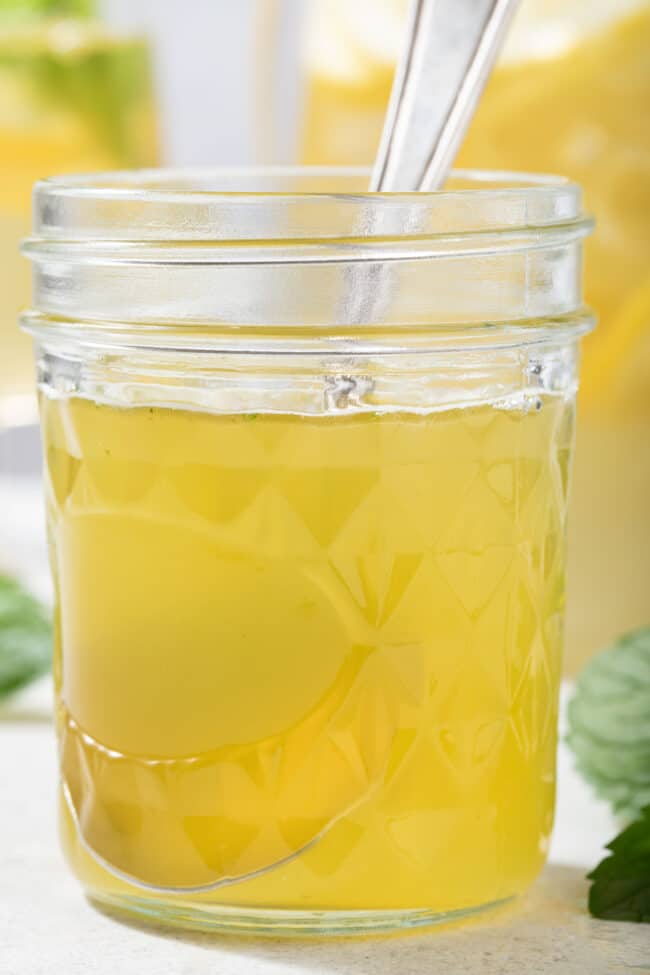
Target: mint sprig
[[103, 81], [609, 724], [25, 637], [44, 8], [609, 731], [621, 883]]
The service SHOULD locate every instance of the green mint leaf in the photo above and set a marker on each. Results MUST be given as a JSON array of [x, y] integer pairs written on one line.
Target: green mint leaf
[[609, 724], [44, 8], [103, 81], [25, 637], [621, 883]]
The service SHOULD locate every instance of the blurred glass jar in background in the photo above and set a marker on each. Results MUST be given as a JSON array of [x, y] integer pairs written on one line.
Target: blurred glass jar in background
[[571, 95], [74, 96]]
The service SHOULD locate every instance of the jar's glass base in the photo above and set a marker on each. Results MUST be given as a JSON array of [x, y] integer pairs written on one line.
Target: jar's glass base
[[265, 922]]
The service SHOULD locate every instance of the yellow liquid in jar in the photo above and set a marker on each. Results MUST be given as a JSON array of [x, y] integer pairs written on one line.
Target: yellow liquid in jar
[[315, 658], [579, 109], [72, 99]]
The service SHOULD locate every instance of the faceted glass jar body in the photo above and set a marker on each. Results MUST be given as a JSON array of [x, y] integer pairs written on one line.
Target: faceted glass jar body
[[307, 462]]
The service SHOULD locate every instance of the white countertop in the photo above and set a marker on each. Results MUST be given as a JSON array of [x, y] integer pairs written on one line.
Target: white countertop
[[48, 928]]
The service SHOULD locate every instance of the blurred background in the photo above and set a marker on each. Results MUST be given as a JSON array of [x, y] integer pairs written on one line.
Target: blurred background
[[123, 83]]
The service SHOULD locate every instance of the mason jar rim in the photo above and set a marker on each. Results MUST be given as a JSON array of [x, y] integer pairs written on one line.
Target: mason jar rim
[[167, 181], [296, 214], [202, 261]]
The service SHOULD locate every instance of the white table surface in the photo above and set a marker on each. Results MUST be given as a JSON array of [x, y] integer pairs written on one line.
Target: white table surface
[[48, 928]]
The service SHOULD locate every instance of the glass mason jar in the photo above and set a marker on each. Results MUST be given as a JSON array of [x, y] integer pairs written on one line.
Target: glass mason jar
[[307, 460]]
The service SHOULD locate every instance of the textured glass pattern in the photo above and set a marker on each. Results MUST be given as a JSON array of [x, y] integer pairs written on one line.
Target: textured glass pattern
[[312, 660]]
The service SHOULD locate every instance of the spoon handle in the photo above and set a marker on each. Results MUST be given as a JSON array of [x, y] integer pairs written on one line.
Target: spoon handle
[[448, 55]]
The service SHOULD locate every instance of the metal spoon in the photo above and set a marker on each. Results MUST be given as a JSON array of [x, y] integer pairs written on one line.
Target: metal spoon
[[449, 52]]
